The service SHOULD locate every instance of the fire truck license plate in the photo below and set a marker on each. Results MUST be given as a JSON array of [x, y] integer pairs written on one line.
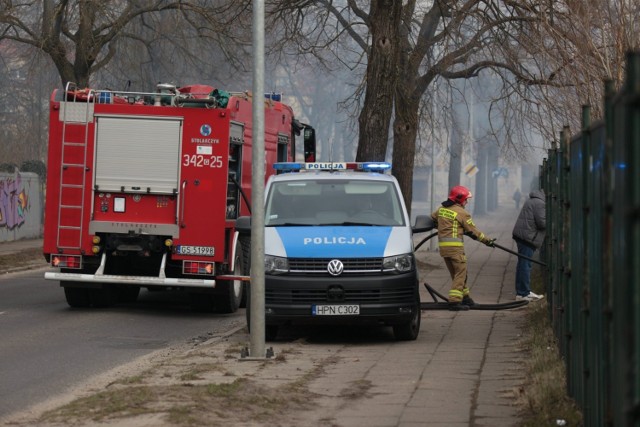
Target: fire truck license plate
[[195, 250], [335, 310]]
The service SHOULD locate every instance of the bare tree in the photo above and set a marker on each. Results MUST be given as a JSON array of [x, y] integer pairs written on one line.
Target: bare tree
[[440, 39], [25, 82], [581, 43], [82, 37], [319, 105], [115, 44], [456, 40]]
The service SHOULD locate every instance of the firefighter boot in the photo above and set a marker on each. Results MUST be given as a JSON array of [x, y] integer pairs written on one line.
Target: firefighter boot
[[457, 306]]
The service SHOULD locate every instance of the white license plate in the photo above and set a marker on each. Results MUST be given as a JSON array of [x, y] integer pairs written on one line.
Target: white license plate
[[335, 310], [195, 250]]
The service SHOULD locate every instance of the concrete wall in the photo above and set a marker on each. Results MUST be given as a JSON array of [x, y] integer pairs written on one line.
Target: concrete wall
[[21, 206]]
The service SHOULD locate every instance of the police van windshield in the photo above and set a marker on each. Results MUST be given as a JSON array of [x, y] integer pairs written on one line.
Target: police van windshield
[[333, 202]]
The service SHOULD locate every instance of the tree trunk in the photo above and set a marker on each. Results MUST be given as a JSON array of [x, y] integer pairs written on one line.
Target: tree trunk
[[374, 119], [405, 130]]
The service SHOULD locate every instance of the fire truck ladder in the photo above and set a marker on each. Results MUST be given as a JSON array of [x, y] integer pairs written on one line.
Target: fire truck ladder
[[76, 117]]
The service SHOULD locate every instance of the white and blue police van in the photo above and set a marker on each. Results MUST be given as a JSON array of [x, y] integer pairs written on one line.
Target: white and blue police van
[[339, 248]]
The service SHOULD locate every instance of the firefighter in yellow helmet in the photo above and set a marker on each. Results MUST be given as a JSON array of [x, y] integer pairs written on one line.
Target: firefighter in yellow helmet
[[453, 222]]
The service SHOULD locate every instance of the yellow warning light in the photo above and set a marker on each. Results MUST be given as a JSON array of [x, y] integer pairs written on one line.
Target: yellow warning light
[[95, 249], [96, 240], [168, 243]]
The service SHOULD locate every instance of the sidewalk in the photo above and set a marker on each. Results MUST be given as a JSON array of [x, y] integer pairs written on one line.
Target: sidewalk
[[21, 255], [19, 245], [463, 370]]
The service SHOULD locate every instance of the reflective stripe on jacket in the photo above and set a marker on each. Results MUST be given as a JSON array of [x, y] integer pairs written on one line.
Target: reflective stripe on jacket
[[453, 223], [450, 234]]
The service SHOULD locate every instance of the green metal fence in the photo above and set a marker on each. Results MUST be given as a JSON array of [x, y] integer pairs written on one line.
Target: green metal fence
[[592, 186]]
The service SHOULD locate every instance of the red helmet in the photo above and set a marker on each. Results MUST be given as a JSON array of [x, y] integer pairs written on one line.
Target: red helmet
[[460, 194]]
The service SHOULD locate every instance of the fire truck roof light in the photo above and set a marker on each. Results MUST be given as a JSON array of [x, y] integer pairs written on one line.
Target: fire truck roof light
[[273, 96], [333, 166]]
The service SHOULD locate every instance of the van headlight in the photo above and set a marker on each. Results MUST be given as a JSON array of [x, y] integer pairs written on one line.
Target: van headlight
[[398, 263], [275, 265]]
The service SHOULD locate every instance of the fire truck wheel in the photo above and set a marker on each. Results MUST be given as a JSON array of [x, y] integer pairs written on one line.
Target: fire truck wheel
[[128, 294], [229, 295], [77, 297], [104, 297], [247, 312], [201, 301], [245, 242]]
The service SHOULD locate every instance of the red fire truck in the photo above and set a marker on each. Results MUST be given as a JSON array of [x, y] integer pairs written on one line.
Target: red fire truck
[[143, 190]]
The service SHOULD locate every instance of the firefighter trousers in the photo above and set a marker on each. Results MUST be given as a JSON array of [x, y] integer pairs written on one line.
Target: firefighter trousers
[[457, 266]]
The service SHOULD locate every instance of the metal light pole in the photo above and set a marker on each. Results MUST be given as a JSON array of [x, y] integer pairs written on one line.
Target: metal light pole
[[257, 324]]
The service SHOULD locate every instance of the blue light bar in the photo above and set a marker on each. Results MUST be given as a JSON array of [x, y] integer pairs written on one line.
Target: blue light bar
[[376, 166], [288, 166], [333, 166]]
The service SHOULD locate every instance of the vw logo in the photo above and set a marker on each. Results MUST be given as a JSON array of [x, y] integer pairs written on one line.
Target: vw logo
[[335, 267]]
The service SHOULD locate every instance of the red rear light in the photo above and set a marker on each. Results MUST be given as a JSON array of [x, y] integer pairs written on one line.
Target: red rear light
[[197, 267], [66, 261]]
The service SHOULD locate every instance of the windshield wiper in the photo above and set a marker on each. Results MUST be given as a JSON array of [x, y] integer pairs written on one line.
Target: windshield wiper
[[289, 224]]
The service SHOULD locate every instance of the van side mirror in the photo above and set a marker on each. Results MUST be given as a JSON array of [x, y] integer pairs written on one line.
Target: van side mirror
[[423, 224], [309, 139]]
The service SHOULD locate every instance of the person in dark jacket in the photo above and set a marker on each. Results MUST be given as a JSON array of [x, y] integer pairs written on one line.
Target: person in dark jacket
[[529, 232]]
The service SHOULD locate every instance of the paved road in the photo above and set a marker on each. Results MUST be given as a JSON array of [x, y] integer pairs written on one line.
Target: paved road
[[46, 347]]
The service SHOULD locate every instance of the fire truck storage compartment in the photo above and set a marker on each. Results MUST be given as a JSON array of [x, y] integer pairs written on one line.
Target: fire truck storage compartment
[[138, 154]]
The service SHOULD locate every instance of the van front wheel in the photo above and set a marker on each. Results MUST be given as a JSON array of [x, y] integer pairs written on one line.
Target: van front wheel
[[409, 331]]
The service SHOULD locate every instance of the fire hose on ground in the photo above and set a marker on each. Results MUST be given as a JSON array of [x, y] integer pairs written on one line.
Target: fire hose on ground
[[440, 302]]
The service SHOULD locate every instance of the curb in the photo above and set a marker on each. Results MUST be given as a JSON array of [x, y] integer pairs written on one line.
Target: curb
[[19, 269]]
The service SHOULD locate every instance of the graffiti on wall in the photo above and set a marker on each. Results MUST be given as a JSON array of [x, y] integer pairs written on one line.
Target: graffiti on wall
[[13, 202]]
